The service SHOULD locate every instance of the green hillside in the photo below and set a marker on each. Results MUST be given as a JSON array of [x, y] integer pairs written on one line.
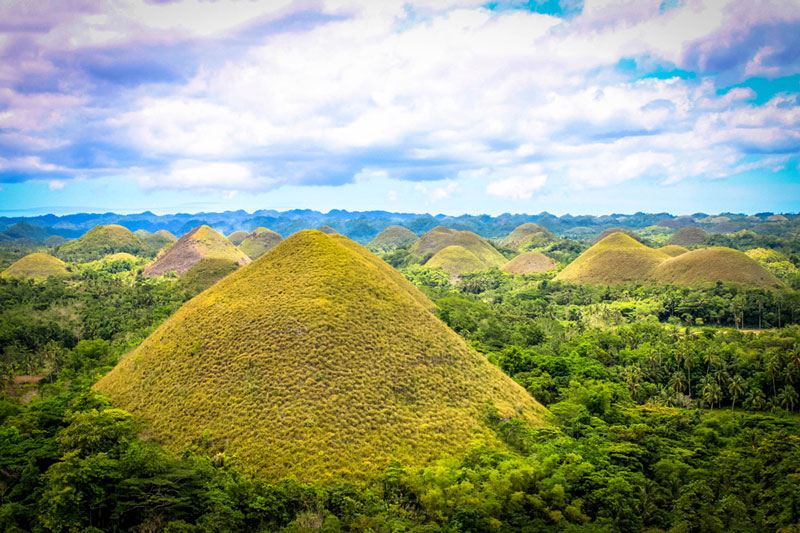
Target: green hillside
[[529, 263], [456, 260], [259, 242], [528, 231], [392, 238], [200, 243], [319, 361], [616, 259], [101, 241], [166, 234], [238, 236], [440, 237], [36, 266], [206, 273], [689, 236], [673, 250], [712, 265]]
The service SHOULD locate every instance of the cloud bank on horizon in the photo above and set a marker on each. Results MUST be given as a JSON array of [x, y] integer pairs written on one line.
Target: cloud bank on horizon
[[503, 100]]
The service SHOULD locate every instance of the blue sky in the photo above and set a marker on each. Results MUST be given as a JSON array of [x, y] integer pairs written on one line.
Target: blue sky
[[432, 106]]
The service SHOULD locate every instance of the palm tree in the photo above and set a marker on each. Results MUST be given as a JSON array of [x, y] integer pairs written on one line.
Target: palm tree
[[736, 388], [756, 399], [688, 363], [773, 367], [677, 381], [712, 393], [711, 357], [788, 397]]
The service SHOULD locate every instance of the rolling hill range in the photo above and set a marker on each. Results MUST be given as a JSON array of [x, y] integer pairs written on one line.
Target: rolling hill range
[[392, 238], [712, 265], [616, 259], [319, 362], [529, 263], [527, 231], [36, 266], [200, 243], [101, 241], [258, 242], [440, 237]]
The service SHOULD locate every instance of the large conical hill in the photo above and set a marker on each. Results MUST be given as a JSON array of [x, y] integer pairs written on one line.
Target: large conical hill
[[616, 259], [440, 237], [709, 265], [611, 231], [529, 263], [524, 232], [201, 243], [259, 242], [319, 361], [456, 260], [36, 266], [392, 238], [101, 241]]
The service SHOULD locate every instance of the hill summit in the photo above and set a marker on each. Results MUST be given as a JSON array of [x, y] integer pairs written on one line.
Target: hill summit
[[36, 266], [101, 241], [392, 238], [440, 238], [617, 258], [200, 243], [319, 361], [259, 242], [525, 232]]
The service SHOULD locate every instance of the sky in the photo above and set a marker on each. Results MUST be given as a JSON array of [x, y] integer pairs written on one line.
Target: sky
[[439, 106]]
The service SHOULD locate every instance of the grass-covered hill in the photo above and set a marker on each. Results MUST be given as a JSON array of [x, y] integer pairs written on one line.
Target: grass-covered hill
[[689, 236], [392, 238], [616, 259], [610, 231], [527, 231], [327, 230], [259, 242], [206, 273], [673, 250], [36, 266], [238, 236], [529, 263], [712, 265], [456, 260], [166, 234], [200, 243], [101, 241], [319, 361], [440, 237]]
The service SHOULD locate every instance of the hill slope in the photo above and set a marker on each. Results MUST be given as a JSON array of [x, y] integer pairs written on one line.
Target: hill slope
[[440, 237], [166, 234], [392, 238], [36, 266], [200, 243], [616, 259], [456, 260], [237, 237], [712, 265], [103, 240], [689, 236], [611, 231], [259, 242], [319, 361], [526, 231], [673, 250], [529, 263]]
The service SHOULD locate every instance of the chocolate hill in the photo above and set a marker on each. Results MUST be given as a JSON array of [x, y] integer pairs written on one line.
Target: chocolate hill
[[525, 232], [259, 242], [440, 237], [392, 238], [616, 259], [529, 263], [36, 266], [101, 241], [200, 243], [319, 361]]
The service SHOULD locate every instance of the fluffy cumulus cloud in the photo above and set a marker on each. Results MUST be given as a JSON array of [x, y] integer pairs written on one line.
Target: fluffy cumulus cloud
[[250, 96]]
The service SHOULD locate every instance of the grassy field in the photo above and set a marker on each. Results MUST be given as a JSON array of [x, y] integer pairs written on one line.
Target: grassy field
[[318, 361]]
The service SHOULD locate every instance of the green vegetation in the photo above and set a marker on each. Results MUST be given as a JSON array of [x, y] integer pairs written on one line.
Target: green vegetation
[[237, 237], [37, 266], [101, 241], [712, 265], [689, 236], [616, 259], [333, 366], [529, 263], [200, 243], [392, 238], [206, 273], [673, 250], [440, 237], [535, 234], [259, 242], [456, 260]]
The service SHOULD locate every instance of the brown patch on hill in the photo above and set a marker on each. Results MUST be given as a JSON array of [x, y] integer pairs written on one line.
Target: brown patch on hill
[[200, 243]]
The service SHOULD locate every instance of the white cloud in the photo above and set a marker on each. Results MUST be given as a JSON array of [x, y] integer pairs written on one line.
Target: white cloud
[[517, 187], [55, 185], [203, 176], [435, 194]]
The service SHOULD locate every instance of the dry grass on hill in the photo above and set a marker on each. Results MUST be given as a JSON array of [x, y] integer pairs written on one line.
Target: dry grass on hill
[[529, 263], [392, 238], [616, 259], [259, 242], [36, 266], [712, 265], [200, 243], [673, 250], [456, 260], [524, 232], [319, 361], [440, 237]]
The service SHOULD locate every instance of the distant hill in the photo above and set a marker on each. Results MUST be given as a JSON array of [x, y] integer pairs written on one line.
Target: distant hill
[[712, 265], [206, 273], [36, 266], [166, 234], [689, 236], [525, 232], [456, 260], [327, 229], [101, 241], [24, 230], [238, 236], [317, 362], [529, 263], [440, 237], [673, 250], [609, 231], [259, 242], [616, 259], [392, 238], [200, 243]]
